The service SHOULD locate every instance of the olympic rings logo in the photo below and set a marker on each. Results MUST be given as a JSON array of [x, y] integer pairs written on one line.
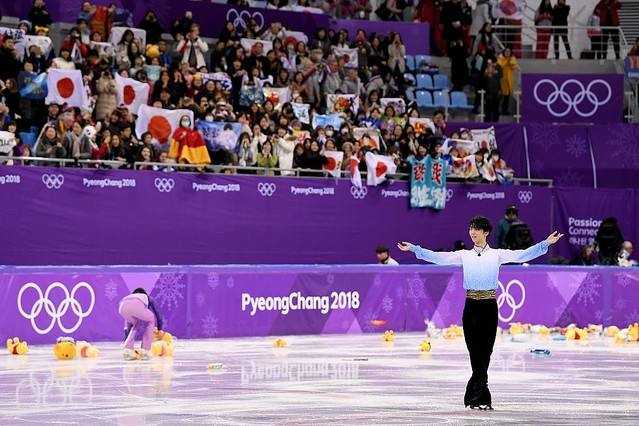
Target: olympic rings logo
[[240, 19], [266, 189], [164, 184], [56, 313], [576, 103], [449, 194], [53, 181], [508, 299], [525, 197], [359, 193]]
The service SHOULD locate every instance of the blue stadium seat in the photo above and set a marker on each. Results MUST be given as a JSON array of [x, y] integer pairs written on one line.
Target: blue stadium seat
[[459, 100], [424, 99], [424, 81], [410, 62], [410, 78], [410, 94], [440, 81], [440, 99], [421, 59]]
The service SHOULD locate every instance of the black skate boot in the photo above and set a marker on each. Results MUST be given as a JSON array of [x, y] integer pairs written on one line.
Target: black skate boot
[[481, 398]]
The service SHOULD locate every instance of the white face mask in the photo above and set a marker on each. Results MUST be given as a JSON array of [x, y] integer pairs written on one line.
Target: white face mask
[[185, 123], [209, 118], [329, 133]]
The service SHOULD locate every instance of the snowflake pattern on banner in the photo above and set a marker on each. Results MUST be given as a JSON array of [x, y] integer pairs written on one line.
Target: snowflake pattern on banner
[[576, 146], [367, 321], [632, 317], [559, 310], [415, 289], [399, 293], [110, 290], [209, 325], [169, 290], [589, 290], [623, 280], [543, 135], [566, 318], [213, 280], [569, 178], [620, 305], [623, 146], [330, 278], [377, 281], [387, 304], [230, 282], [199, 299]]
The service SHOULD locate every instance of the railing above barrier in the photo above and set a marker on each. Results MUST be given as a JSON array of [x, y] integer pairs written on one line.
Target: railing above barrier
[[221, 169]]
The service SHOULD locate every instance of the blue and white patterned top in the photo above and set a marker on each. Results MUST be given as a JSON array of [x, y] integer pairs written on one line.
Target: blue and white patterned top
[[481, 272]]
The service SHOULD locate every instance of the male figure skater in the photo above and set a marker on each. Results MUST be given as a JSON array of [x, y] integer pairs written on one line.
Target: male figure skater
[[481, 270]]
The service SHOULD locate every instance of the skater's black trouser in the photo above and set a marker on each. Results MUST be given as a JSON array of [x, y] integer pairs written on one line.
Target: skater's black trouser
[[480, 327]]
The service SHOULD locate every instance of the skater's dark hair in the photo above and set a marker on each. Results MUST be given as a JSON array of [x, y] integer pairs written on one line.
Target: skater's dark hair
[[381, 249], [480, 223], [140, 290]]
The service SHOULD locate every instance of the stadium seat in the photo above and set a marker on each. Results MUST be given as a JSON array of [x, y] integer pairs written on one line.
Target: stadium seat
[[410, 62], [459, 100], [421, 59], [410, 78], [440, 81], [410, 94], [440, 99], [424, 81], [424, 99]]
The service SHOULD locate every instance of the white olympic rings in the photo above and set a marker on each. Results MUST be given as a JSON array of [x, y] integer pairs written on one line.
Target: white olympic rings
[[240, 19], [508, 299], [359, 193], [53, 181], [525, 197], [56, 313], [585, 93], [266, 189], [164, 184]]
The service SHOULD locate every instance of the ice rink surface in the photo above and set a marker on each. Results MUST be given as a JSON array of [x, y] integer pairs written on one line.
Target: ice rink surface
[[346, 379]]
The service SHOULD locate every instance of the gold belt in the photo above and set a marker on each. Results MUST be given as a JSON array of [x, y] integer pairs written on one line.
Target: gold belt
[[481, 294]]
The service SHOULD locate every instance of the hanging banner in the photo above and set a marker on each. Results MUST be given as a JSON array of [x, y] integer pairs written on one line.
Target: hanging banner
[[428, 183], [572, 98]]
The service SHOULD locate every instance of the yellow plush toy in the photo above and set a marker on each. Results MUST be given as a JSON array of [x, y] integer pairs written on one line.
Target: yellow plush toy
[[516, 328], [576, 333], [280, 343], [162, 348], [86, 349], [164, 336], [389, 336], [453, 332], [611, 331], [16, 347], [425, 346], [65, 348], [633, 333]]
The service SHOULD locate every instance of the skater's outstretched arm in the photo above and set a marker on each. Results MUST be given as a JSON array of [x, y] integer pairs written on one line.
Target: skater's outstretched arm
[[439, 258], [533, 252]]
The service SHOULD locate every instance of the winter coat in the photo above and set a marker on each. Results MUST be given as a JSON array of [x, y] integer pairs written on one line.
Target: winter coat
[[106, 102]]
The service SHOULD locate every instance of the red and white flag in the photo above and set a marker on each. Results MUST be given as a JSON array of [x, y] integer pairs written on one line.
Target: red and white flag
[[160, 123], [66, 87], [131, 93], [378, 166], [353, 167], [334, 162]]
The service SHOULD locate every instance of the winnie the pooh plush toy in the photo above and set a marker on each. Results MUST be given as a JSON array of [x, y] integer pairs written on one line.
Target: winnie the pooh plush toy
[[280, 343], [65, 348], [633, 333], [389, 336], [17, 347], [86, 349], [162, 345]]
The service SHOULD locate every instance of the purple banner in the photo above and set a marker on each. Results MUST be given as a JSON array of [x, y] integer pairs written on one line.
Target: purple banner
[[211, 16], [414, 35], [572, 98], [92, 217], [226, 301], [578, 213]]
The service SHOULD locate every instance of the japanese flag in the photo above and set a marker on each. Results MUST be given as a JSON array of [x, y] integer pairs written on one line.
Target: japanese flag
[[334, 162], [160, 123], [66, 87], [131, 93], [353, 168], [378, 166]]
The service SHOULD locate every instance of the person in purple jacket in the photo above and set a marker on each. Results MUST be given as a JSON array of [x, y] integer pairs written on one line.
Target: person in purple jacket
[[139, 315]]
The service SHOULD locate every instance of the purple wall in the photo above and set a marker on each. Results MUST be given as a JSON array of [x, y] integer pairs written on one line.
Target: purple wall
[[104, 217], [200, 302]]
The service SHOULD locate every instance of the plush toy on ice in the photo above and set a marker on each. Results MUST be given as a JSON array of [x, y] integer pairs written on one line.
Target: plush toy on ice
[[162, 345], [17, 347], [65, 348], [140, 316], [389, 336], [86, 349]]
